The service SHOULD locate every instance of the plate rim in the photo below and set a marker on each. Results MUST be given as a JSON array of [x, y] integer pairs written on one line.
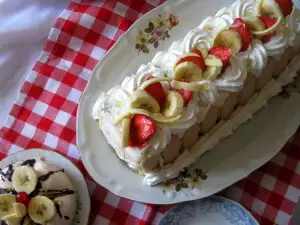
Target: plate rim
[[212, 196], [44, 152]]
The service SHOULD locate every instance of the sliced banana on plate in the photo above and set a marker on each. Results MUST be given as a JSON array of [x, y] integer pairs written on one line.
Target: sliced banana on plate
[[270, 8], [160, 118], [189, 67], [41, 209], [143, 100], [20, 209], [6, 204], [125, 131], [254, 23], [174, 104], [203, 50], [24, 179], [188, 86], [229, 39], [214, 67], [212, 60], [270, 29], [12, 219], [129, 113], [147, 83]]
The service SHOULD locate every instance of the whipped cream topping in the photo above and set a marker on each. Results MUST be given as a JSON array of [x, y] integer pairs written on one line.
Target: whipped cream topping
[[188, 119], [292, 24], [241, 9], [197, 38], [257, 57], [234, 76], [277, 44], [212, 25]]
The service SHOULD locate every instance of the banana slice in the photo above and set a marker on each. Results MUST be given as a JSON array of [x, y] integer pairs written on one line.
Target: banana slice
[[24, 179], [147, 83], [129, 113], [188, 86], [203, 50], [20, 209], [230, 39], [212, 72], [41, 209], [270, 29], [174, 104], [189, 67], [270, 8], [212, 60], [142, 100], [12, 219], [6, 204], [160, 118], [187, 71], [125, 132], [254, 23], [214, 67]]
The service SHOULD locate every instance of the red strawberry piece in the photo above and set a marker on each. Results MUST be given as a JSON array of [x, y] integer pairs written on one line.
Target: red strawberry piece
[[222, 53], [244, 33], [268, 22], [199, 61], [141, 130], [157, 91], [23, 198], [286, 6], [186, 95]]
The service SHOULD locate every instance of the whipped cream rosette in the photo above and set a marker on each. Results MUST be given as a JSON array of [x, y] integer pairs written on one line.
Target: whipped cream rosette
[[156, 116], [36, 192]]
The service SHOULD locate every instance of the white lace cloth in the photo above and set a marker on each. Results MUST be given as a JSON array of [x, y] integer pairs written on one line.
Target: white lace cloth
[[25, 25]]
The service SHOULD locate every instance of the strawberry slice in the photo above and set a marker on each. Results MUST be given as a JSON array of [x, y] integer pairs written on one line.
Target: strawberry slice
[[199, 61], [268, 22], [186, 95], [157, 91], [141, 130], [286, 6], [222, 53], [243, 32]]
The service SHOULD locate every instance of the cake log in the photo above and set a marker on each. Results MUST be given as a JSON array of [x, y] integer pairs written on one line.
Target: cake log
[[248, 89]]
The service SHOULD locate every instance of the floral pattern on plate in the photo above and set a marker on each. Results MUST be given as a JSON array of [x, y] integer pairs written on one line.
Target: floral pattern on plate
[[157, 31]]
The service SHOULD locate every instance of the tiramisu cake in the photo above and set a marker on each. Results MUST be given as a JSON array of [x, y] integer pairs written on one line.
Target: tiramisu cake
[[193, 95], [36, 192]]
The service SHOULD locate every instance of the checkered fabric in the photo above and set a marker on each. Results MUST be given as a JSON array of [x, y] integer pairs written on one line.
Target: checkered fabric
[[44, 116]]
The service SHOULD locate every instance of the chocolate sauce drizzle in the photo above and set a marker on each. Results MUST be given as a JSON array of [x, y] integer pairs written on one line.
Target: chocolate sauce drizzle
[[41, 179], [9, 172], [52, 194], [29, 162], [57, 207]]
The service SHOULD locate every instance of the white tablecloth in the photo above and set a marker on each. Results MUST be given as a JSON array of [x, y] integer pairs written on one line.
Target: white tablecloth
[[25, 25]]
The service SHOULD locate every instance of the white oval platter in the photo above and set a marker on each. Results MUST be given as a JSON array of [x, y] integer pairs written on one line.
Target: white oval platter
[[76, 177], [247, 149]]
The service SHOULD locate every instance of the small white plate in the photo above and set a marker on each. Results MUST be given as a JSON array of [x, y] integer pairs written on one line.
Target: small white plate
[[76, 177], [208, 211]]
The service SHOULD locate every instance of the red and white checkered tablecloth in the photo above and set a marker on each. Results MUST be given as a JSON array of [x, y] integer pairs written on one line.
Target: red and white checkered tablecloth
[[44, 116]]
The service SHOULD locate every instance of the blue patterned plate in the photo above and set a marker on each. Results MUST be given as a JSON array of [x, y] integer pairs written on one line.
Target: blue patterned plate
[[213, 210]]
